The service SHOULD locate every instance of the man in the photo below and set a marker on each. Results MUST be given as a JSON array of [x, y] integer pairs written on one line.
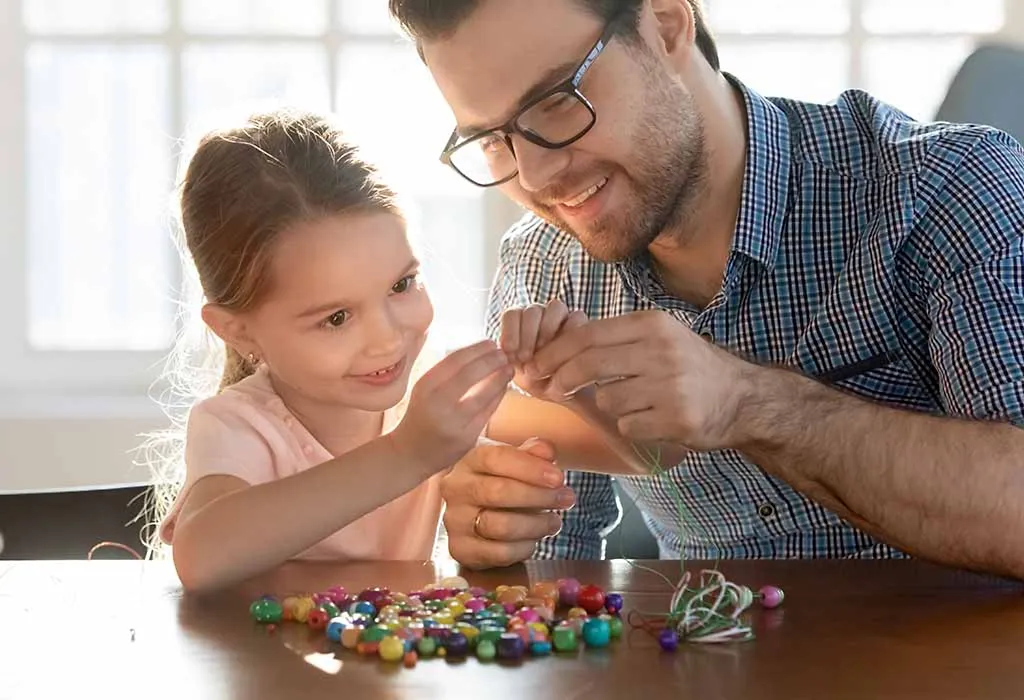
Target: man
[[824, 302]]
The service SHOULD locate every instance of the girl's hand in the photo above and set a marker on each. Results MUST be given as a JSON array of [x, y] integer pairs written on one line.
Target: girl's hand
[[450, 405], [527, 330]]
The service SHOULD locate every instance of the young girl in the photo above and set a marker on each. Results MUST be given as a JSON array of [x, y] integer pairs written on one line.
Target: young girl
[[313, 447]]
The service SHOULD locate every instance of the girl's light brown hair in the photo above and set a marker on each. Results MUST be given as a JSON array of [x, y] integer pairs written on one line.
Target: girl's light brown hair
[[244, 187]]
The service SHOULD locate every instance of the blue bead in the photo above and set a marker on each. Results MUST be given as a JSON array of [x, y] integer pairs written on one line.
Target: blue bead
[[540, 648], [596, 632], [362, 607], [613, 602], [335, 628]]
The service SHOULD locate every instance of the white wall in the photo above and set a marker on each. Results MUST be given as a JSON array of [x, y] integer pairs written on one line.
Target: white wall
[[84, 444]]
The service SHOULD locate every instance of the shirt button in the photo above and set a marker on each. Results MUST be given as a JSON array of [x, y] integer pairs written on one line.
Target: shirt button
[[308, 449], [766, 510], [707, 335]]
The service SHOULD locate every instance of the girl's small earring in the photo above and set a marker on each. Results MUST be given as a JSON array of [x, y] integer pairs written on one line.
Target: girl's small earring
[[253, 360]]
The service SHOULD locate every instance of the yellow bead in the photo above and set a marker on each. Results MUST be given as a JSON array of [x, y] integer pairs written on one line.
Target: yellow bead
[[388, 611], [456, 582], [391, 649], [303, 607], [442, 652], [350, 637], [443, 617], [456, 608], [577, 612], [500, 589], [538, 628], [464, 597], [399, 597], [468, 630], [391, 625]]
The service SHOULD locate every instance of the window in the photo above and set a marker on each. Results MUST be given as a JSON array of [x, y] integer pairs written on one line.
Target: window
[[903, 51], [114, 91]]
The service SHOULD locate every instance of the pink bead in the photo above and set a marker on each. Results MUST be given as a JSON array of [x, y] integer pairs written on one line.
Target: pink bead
[[510, 608], [771, 596], [529, 615], [477, 592], [475, 605]]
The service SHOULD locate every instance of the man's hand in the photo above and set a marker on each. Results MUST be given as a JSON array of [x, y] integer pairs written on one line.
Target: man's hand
[[499, 502], [654, 376]]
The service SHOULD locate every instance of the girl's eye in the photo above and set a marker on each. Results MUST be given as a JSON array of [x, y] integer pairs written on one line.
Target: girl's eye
[[403, 285], [336, 319]]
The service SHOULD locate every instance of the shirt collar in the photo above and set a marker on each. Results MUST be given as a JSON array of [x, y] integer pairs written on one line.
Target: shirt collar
[[765, 195]]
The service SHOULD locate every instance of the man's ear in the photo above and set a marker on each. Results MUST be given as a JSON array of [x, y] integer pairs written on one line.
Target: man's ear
[[231, 328], [675, 25]]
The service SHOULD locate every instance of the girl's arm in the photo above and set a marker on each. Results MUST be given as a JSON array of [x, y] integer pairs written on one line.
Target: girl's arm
[[228, 531], [584, 438]]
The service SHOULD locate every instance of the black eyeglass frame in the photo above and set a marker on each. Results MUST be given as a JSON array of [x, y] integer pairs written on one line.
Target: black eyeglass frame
[[569, 86]]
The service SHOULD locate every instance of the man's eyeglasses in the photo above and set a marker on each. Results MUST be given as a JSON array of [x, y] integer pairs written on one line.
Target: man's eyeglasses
[[559, 117]]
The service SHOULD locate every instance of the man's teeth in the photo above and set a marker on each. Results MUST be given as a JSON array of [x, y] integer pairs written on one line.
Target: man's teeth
[[584, 196]]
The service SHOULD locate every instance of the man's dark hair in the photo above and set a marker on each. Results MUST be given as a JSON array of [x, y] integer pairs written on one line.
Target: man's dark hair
[[426, 20]]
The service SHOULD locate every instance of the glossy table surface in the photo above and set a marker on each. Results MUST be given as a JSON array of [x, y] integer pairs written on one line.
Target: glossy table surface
[[847, 629]]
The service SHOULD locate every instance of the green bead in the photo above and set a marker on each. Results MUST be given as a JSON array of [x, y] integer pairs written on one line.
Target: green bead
[[266, 610], [564, 639], [330, 608], [615, 627], [374, 634], [426, 647], [485, 649], [490, 634]]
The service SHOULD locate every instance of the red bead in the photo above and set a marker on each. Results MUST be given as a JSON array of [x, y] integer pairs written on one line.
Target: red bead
[[317, 619], [591, 599]]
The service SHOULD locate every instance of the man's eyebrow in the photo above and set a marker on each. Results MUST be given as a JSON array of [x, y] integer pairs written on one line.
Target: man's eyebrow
[[550, 79]]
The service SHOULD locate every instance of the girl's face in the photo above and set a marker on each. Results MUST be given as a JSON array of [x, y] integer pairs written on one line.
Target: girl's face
[[345, 314]]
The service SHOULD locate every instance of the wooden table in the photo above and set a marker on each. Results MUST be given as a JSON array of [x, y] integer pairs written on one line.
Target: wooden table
[[848, 629]]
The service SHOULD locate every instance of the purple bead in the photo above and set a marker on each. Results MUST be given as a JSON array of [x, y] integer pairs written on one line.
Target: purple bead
[[439, 632], [613, 602], [568, 590], [511, 646], [510, 608], [771, 596], [457, 644], [668, 639]]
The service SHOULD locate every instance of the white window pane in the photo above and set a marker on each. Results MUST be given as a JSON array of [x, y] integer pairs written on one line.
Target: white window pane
[[397, 113], [884, 16], [816, 71], [913, 74], [99, 176], [226, 82], [365, 17], [402, 123], [779, 16], [92, 16], [255, 16]]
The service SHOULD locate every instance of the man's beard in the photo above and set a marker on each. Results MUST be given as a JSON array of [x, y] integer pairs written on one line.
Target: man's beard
[[667, 178]]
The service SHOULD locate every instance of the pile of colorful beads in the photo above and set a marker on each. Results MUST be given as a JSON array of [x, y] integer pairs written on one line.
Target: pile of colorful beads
[[451, 619]]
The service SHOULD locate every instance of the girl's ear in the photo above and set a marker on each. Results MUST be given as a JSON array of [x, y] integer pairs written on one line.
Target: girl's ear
[[231, 328]]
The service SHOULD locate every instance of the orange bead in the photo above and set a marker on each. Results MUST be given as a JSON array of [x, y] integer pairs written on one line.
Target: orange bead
[[409, 660], [544, 589], [511, 595]]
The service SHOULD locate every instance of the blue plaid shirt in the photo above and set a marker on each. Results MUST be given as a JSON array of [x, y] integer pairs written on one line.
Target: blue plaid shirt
[[879, 254]]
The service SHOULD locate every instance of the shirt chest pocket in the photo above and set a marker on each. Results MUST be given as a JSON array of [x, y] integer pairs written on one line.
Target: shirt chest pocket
[[861, 354]]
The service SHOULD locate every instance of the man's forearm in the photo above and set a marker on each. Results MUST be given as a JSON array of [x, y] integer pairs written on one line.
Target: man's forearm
[[941, 488]]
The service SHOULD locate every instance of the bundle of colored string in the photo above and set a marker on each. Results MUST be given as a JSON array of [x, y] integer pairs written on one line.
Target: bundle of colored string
[[707, 609]]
